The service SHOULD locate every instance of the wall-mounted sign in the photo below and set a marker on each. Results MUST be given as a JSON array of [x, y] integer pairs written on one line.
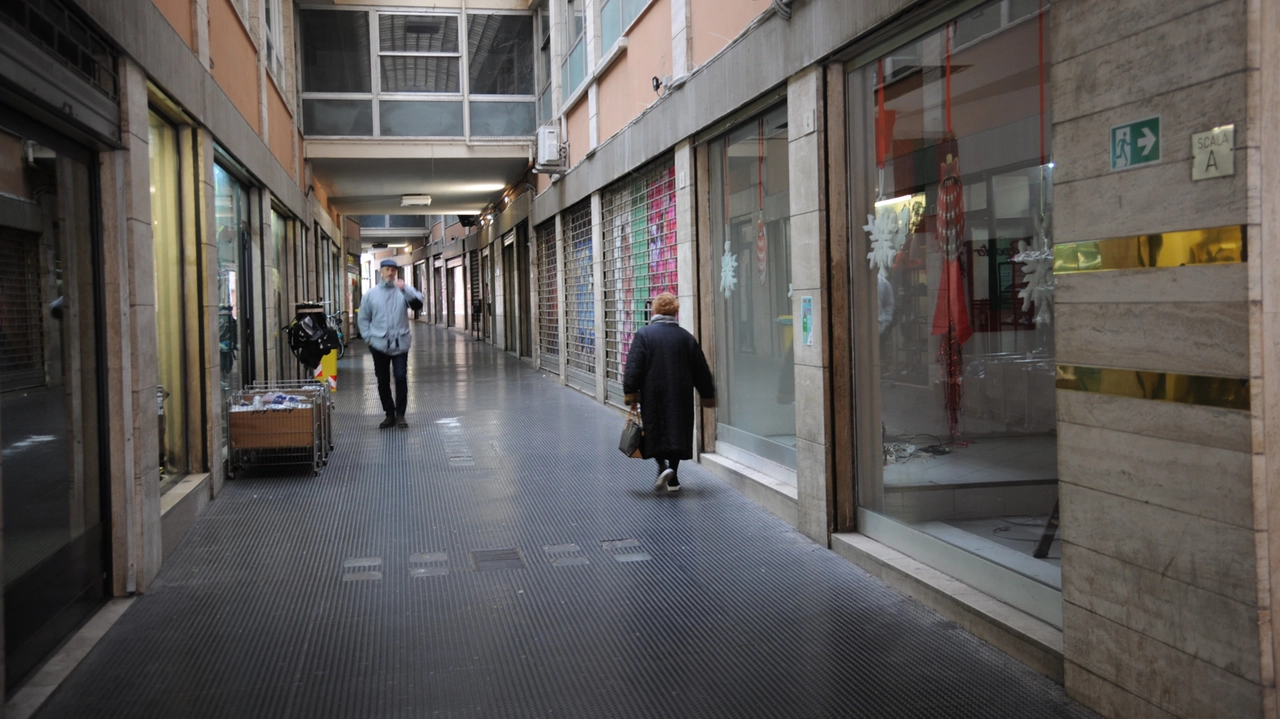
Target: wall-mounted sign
[[1135, 143], [806, 320], [1213, 153]]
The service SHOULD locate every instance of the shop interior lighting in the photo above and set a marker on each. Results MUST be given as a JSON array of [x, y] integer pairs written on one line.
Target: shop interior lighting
[[894, 200], [415, 201]]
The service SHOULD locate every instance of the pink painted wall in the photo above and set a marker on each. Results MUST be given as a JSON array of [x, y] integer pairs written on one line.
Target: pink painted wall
[[627, 89], [716, 22]]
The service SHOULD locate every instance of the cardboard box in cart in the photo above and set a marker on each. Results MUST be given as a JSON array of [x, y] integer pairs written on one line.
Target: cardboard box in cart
[[273, 428]]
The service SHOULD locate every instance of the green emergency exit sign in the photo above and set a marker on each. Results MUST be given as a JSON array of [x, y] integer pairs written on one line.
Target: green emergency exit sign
[[1135, 143]]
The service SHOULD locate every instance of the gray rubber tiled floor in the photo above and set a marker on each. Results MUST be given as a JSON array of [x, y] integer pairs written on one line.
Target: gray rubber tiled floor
[[607, 599]]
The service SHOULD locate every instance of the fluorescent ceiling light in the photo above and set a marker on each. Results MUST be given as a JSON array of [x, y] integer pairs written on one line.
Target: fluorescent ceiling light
[[415, 200], [481, 187]]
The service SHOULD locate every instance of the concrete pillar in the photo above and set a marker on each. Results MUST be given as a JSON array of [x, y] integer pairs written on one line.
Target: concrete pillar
[[808, 274], [686, 255], [681, 40]]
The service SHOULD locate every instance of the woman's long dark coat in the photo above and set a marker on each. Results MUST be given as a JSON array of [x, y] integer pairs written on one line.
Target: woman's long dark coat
[[664, 366]]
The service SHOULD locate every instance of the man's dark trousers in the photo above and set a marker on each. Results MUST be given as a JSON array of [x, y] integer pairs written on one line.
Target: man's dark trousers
[[383, 366]]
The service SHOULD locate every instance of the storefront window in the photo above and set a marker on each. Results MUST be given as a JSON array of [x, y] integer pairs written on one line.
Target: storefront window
[[284, 312], [951, 139], [52, 366], [231, 213], [166, 243], [750, 211]]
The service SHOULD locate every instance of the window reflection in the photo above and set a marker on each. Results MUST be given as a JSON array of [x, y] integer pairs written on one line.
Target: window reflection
[[956, 143], [755, 360]]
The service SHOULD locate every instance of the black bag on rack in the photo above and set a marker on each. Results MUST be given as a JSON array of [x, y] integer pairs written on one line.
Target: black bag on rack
[[311, 338]]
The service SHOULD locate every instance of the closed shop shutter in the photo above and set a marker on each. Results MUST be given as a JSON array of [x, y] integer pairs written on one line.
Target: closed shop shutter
[[548, 298], [639, 235], [21, 321], [579, 298]]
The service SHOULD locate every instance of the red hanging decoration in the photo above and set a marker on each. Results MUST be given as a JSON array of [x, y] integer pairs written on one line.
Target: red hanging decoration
[[951, 315], [762, 239]]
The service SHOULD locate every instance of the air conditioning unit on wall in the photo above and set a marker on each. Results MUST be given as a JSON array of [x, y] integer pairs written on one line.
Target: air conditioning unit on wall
[[553, 156]]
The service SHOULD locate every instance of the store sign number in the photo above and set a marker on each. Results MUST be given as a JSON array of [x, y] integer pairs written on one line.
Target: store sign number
[[1135, 143]]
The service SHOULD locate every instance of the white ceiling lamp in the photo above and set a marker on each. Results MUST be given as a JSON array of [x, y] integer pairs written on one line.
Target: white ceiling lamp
[[415, 201]]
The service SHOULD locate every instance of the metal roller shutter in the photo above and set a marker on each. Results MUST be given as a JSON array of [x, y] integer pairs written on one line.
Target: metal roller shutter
[[548, 298], [639, 235], [21, 320], [579, 297]]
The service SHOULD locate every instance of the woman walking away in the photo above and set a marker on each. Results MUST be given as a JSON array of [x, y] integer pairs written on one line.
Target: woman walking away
[[664, 366]]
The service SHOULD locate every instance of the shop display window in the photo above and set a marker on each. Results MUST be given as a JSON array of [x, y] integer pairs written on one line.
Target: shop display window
[[950, 138], [750, 209]]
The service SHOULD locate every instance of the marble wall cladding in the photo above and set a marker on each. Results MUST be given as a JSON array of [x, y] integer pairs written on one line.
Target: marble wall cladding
[[1106, 698], [1158, 198], [1171, 679], [1084, 25], [811, 490], [1159, 472], [1222, 100], [1202, 552], [1199, 283], [1190, 338], [1193, 620], [1202, 45], [1225, 429]]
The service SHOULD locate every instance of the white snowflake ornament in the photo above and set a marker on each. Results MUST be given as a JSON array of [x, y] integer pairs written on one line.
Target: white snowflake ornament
[[728, 270], [1037, 264], [887, 230]]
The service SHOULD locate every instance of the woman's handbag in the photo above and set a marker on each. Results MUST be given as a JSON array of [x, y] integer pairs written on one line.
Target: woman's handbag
[[632, 436]]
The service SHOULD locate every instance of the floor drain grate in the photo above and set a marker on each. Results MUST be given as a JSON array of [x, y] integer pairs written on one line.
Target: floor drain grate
[[566, 555], [361, 569], [429, 564], [617, 549], [493, 559], [455, 442]]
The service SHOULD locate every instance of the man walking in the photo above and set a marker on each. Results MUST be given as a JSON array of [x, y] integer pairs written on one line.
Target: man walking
[[384, 324]]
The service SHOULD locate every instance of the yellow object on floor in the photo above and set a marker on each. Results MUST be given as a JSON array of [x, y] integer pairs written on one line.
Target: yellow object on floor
[[328, 370]]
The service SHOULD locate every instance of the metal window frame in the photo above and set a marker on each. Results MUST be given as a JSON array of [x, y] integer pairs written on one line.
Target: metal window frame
[[376, 95]]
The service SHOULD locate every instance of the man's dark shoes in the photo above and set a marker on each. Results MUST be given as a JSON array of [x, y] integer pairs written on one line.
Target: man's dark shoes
[[400, 421], [387, 423]]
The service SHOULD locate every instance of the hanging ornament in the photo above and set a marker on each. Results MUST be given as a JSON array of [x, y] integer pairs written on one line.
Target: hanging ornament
[[951, 315], [762, 253], [728, 271], [888, 232], [1036, 258], [762, 236]]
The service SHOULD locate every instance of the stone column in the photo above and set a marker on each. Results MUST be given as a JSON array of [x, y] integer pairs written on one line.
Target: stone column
[[686, 259], [808, 263]]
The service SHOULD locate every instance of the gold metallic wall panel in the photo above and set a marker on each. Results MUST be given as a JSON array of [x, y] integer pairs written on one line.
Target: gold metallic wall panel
[[1216, 245], [1224, 392]]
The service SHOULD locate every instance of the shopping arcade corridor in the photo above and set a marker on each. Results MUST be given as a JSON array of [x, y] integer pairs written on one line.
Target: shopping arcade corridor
[[610, 601]]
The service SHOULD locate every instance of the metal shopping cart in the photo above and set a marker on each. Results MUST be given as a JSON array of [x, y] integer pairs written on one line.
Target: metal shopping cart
[[278, 426]]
